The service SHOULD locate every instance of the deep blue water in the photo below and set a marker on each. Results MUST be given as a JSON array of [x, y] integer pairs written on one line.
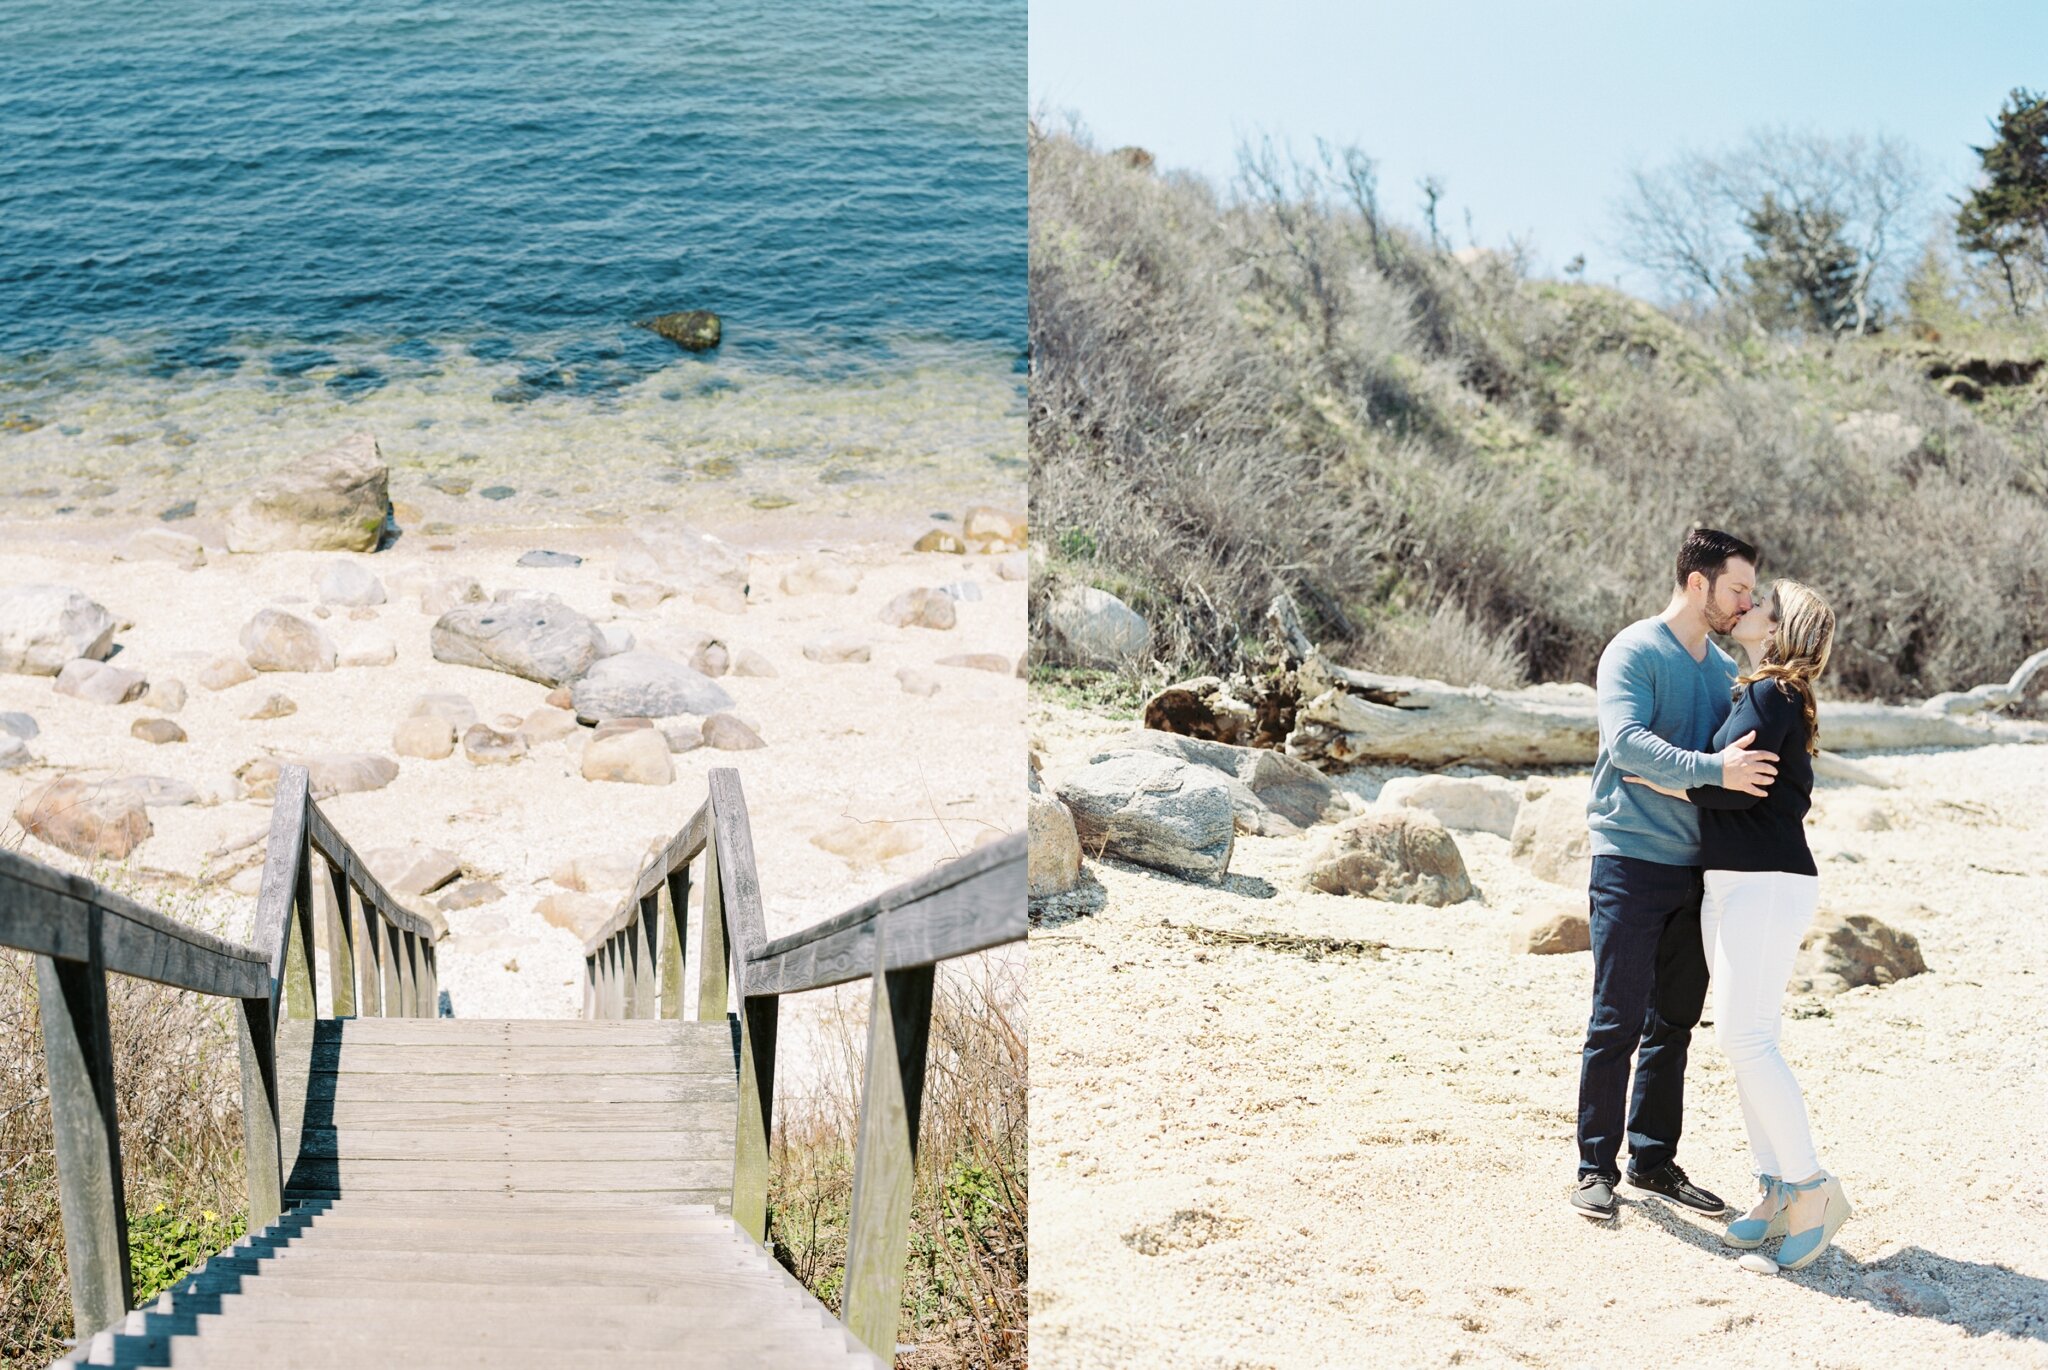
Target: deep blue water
[[219, 187]]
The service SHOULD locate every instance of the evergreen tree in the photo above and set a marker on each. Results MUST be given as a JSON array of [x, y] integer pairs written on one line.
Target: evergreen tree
[[1802, 275], [2006, 217]]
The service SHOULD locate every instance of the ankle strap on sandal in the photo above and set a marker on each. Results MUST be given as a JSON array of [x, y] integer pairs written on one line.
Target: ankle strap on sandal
[[1815, 1183]]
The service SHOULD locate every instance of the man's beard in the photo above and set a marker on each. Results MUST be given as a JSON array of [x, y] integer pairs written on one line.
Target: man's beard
[[1722, 625]]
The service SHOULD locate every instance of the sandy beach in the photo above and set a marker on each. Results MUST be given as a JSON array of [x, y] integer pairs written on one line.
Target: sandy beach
[[1268, 1150], [844, 742]]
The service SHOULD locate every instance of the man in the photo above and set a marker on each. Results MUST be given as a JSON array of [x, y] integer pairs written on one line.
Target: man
[[1663, 690]]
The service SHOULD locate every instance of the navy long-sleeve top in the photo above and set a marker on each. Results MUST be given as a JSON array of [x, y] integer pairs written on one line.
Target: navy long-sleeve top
[[1744, 832]]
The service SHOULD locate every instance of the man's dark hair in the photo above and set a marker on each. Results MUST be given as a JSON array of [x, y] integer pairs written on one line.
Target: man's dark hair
[[1707, 550]]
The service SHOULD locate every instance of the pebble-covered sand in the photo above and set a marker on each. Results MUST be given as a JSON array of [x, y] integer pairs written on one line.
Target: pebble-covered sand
[[1246, 1157], [844, 741]]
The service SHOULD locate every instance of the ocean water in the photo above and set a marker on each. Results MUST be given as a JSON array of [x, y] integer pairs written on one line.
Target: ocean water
[[232, 231]]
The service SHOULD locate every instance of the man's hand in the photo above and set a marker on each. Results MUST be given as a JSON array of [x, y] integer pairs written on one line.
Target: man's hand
[[1747, 772]]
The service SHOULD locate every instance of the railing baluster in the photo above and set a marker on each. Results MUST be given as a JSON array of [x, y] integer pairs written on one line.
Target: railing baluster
[[757, 1103], [257, 1041], [629, 955], [615, 969], [408, 975], [431, 1001], [714, 971], [675, 957], [299, 999], [78, 1051], [394, 993], [341, 945], [646, 934], [371, 961], [590, 987], [885, 1160]]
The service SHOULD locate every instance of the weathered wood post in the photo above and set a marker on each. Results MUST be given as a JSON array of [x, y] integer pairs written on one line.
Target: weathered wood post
[[299, 998], [257, 1040], [647, 935], [370, 963], [341, 944], [78, 1051], [633, 961], [394, 988], [714, 970], [885, 1159], [675, 956], [590, 987], [756, 1116]]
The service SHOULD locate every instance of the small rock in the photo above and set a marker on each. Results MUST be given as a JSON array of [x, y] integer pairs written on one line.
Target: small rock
[[580, 914], [1154, 810], [751, 663], [920, 609], [183, 510], [868, 844], [644, 685], [1845, 950], [258, 778], [368, 649], [414, 869], [917, 682], [348, 773], [684, 734], [43, 627], [85, 818], [693, 330], [1550, 836], [837, 649], [547, 724], [1016, 566], [728, 734], [1550, 932], [1757, 1263], [1485, 803], [14, 753], [1403, 856], [455, 709], [278, 641], [819, 576], [962, 591], [979, 661], [636, 756], [497, 492], [941, 540], [561, 697], [96, 682], [166, 695], [1053, 863], [425, 736], [442, 595], [223, 673], [19, 725], [486, 746], [608, 872], [161, 544], [469, 894], [156, 730], [1091, 627], [273, 706], [711, 658], [346, 583], [550, 559], [639, 598]]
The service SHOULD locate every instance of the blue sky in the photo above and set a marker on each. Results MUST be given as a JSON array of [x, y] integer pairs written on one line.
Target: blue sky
[[1531, 114]]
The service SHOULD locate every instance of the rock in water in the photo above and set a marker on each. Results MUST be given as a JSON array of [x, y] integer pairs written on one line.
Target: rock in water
[[637, 756], [98, 683], [645, 685], [920, 609], [345, 582], [277, 641], [1550, 836], [1091, 627], [331, 501], [1479, 803], [1842, 951], [1403, 856], [85, 818], [1054, 863], [1154, 810], [44, 626], [536, 637], [693, 330]]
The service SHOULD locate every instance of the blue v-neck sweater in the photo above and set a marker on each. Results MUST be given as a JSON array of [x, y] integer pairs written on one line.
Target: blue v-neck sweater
[[1658, 710]]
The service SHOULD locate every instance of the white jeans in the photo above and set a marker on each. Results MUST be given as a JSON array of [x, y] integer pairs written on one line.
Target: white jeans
[[1750, 926]]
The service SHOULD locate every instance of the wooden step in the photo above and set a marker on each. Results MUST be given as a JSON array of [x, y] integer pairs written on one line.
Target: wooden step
[[508, 1086], [504, 1144], [713, 1106]]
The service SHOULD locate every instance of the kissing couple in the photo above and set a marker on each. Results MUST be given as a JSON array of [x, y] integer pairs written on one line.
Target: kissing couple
[[1701, 874]]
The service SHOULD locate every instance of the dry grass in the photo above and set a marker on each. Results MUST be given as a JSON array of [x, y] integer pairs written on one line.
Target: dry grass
[[1462, 472], [964, 1294], [178, 1091]]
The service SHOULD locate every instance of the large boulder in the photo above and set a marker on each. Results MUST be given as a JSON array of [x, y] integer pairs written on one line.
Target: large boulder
[[334, 500], [1402, 856], [1842, 951], [275, 640], [1271, 794], [96, 682], [44, 626], [1054, 862], [1475, 803], [1156, 811], [85, 818], [535, 637], [1090, 627], [1550, 835], [645, 685]]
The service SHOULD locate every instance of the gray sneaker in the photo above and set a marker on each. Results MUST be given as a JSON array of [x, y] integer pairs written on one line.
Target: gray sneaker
[[1594, 1197]]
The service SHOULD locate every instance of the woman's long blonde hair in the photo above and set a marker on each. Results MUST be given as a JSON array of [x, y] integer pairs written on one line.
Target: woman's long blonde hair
[[1797, 650]]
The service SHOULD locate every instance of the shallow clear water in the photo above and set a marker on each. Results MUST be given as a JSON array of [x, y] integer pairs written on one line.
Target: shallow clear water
[[229, 232]]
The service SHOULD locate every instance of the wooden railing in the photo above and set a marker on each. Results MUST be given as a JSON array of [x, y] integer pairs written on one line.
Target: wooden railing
[[635, 965], [79, 932]]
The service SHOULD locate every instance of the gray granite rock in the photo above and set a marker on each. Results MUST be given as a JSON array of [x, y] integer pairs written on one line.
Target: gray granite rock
[[536, 637], [42, 627], [645, 685], [1154, 810]]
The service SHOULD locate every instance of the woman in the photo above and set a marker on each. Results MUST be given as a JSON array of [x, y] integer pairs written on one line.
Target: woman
[[1761, 892]]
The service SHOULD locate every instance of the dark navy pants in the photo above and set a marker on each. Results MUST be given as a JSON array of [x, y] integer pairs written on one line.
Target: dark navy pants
[[1649, 984]]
